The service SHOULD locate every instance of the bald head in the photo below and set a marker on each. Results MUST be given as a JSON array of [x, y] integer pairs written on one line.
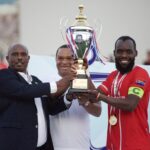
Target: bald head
[[18, 57], [17, 46]]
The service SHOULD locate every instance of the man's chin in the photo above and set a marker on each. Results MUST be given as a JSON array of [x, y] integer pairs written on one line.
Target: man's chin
[[124, 66], [63, 73], [124, 69], [19, 69]]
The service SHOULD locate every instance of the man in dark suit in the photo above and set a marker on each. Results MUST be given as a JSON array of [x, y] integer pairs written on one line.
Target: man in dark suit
[[25, 103]]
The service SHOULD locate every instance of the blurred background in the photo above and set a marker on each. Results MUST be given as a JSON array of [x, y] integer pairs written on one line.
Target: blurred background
[[36, 24]]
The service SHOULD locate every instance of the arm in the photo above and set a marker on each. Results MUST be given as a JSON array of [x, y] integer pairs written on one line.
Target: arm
[[137, 87], [56, 106], [12, 86], [84, 100], [64, 83], [57, 102], [93, 109], [128, 103]]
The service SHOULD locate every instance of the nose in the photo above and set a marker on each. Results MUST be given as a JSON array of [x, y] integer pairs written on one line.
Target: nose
[[19, 56], [124, 54], [64, 61]]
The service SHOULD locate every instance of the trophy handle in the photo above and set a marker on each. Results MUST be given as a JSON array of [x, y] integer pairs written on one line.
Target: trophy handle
[[63, 27], [98, 28]]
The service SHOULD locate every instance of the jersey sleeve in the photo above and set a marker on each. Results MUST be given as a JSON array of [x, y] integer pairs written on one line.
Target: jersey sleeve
[[139, 83], [105, 86]]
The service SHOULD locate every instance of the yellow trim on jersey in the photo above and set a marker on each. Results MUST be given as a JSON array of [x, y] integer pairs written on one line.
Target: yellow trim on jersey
[[136, 91]]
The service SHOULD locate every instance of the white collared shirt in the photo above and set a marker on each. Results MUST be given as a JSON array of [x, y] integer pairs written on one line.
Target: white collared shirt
[[42, 126]]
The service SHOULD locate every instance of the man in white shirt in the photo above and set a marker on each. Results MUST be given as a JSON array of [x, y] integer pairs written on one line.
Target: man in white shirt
[[25, 103], [70, 130]]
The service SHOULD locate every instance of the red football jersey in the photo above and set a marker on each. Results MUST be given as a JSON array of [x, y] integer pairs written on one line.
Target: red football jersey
[[131, 131]]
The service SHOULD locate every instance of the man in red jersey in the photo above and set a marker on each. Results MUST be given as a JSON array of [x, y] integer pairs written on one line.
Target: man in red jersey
[[126, 93]]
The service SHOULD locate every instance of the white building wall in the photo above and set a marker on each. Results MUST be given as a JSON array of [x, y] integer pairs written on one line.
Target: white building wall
[[39, 23]]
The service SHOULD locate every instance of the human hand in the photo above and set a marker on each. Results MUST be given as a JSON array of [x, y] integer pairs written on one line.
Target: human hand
[[85, 63], [72, 73], [83, 98], [70, 96], [93, 95]]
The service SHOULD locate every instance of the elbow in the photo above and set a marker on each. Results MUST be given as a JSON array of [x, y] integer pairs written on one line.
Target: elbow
[[98, 113], [131, 108]]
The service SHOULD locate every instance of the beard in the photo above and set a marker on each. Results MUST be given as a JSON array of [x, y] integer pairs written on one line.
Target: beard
[[125, 69]]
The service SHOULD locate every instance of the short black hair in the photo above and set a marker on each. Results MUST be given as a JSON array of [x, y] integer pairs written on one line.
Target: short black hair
[[15, 46], [62, 46], [124, 38]]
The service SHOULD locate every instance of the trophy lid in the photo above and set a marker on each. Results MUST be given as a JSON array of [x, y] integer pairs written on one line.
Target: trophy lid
[[81, 19]]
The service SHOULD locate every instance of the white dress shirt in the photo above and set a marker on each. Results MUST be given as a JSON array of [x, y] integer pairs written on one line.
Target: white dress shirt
[[42, 126]]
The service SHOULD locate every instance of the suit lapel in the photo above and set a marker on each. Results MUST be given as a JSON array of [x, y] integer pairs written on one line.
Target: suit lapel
[[20, 78]]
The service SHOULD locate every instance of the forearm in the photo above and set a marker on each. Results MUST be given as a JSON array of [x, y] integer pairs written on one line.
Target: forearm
[[93, 109], [62, 86], [56, 105], [119, 102]]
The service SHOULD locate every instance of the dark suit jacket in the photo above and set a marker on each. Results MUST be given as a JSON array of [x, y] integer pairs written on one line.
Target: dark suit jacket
[[18, 113]]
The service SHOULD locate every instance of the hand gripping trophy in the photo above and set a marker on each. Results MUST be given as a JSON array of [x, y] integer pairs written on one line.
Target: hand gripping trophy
[[81, 38]]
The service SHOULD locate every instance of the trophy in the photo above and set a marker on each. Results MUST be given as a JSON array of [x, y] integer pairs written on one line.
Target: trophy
[[80, 38]]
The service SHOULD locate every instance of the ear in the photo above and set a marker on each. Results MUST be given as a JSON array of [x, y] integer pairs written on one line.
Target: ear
[[7, 58], [136, 52], [114, 52]]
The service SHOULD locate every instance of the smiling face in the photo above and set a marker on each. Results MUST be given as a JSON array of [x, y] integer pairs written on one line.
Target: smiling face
[[18, 58], [64, 60], [125, 54]]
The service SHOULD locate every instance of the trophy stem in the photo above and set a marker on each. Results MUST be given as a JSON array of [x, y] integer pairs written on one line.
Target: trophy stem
[[80, 69]]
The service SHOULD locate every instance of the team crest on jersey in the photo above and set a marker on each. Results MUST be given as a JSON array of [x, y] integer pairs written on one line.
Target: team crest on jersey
[[139, 82]]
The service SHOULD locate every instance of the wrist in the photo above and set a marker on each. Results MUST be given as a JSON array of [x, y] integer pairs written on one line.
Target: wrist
[[86, 104], [69, 97], [98, 96]]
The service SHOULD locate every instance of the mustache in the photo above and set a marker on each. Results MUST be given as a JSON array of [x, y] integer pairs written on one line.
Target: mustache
[[127, 69], [19, 62]]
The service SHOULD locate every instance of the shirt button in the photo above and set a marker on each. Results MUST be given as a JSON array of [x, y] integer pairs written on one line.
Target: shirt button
[[36, 126]]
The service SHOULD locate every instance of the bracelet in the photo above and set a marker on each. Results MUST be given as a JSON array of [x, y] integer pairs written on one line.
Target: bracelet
[[98, 95]]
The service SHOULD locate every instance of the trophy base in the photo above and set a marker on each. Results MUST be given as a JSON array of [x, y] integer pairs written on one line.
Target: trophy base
[[72, 90]]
